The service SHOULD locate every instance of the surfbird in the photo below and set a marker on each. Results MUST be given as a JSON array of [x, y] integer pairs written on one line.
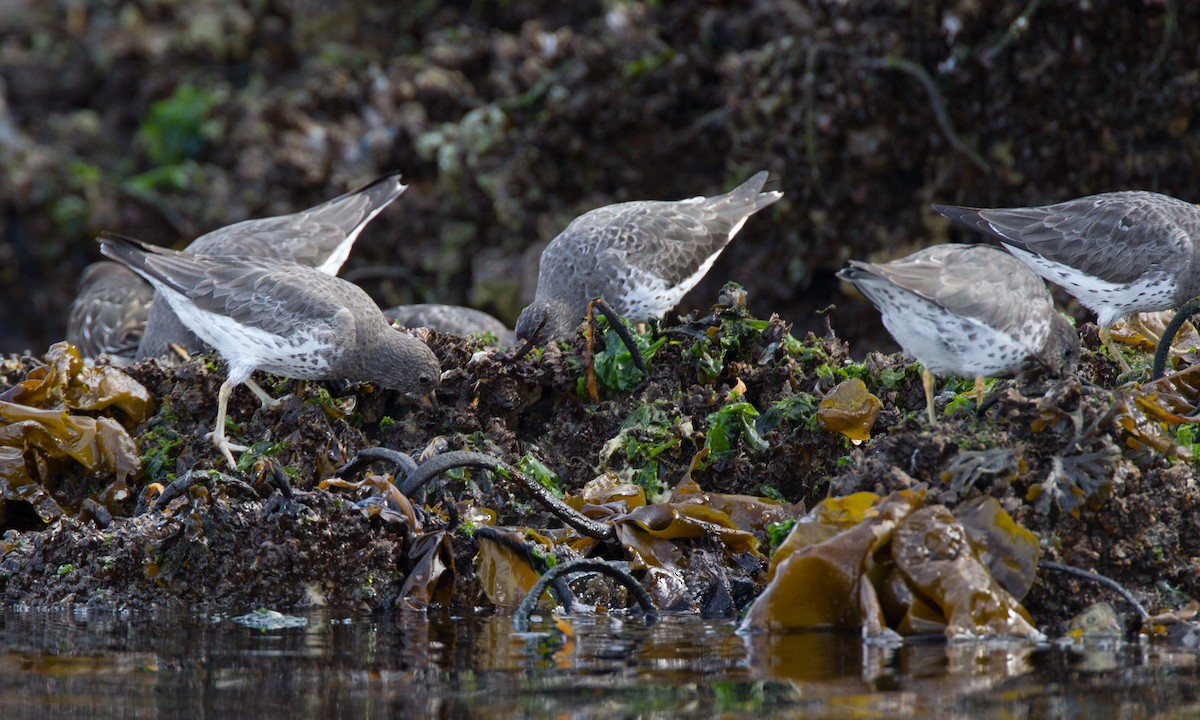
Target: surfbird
[[969, 310], [1118, 253], [320, 237], [641, 257], [109, 313], [280, 317], [452, 319]]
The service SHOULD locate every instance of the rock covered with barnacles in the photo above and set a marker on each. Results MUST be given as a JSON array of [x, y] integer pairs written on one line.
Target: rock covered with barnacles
[[744, 464]]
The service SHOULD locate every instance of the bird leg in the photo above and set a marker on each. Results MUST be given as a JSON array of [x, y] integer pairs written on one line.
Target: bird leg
[[928, 381], [1106, 339], [1182, 315], [978, 395], [1135, 323], [218, 434], [181, 351], [268, 402]]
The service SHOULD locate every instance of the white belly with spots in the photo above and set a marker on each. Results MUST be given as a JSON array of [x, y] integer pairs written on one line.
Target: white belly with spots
[[944, 343], [301, 355], [1110, 301], [644, 295]]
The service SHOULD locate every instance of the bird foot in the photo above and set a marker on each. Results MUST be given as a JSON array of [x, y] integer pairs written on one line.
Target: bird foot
[[265, 400], [227, 448], [1107, 341]]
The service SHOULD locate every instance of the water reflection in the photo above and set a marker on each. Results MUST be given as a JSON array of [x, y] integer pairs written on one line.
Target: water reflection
[[107, 665]]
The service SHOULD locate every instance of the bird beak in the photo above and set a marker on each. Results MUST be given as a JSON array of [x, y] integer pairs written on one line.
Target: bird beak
[[427, 401]]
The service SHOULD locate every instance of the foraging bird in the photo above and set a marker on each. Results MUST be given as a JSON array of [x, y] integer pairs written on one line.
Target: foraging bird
[[282, 318], [641, 257], [452, 319], [320, 237], [970, 310], [109, 313], [1118, 253]]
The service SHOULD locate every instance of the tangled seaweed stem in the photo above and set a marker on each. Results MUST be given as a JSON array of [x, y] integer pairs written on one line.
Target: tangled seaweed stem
[[273, 470], [936, 101], [1182, 315], [526, 346], [191, 477], [559, 587], [524, 612], [366, 456], [435, 466], [614, 321], [1100, 580]]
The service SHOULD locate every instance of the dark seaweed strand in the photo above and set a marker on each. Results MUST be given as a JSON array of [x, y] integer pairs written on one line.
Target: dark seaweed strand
[[1182, 315], [614, 321], [526, 346], [191, 477], [1107, 582], [403, 461], [524, 612], [439, 464], [273, 470], [559, 587]]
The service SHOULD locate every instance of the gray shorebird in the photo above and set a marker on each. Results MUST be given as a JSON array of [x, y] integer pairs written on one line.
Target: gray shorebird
[[282, 318], [1118, 253], [968, 310], [109, 313], [641, 257], [452, 319], [320, 237]]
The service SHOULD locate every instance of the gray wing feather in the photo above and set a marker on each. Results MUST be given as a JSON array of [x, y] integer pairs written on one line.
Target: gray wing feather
[[447, 319], [672, 240], [265, 296], [110, 312], [1117, 237], [272, 295], [307, 237], [972, 281]]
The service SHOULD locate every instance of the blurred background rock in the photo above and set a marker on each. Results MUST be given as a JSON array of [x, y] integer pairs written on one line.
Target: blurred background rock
[[164, 119]]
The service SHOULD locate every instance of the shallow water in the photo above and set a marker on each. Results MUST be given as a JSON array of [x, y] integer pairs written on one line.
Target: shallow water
[[335, 666]]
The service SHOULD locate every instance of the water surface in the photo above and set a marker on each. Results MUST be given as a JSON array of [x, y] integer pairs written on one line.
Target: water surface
[[91, 664]]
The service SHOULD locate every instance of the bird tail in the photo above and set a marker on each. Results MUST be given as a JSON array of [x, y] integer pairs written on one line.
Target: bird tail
[[135, 255], [968, 216], [746, 199], [126, 250], [351, 211], [856, 271]]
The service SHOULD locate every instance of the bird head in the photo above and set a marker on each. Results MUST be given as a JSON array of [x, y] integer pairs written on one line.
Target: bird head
[[406, 364], [1060, 354], [556, 319]]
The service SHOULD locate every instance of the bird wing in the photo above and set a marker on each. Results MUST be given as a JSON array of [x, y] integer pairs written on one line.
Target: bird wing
[[109, 314], [446, 319], [972, 281], [272, 295], [1117, 237], [320, 236]]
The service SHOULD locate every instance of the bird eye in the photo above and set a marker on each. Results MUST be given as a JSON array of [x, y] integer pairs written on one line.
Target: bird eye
[[424, 379]]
